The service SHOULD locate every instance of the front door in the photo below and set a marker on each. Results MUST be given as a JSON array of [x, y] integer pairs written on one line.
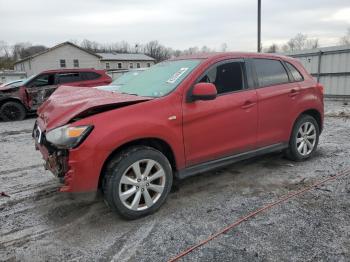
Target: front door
[[226, 125], [39, 89]]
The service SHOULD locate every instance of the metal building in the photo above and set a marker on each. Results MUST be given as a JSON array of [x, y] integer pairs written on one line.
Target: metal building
[[330, 66]]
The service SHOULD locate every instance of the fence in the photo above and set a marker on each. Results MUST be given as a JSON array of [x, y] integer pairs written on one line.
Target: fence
[[330, 66]]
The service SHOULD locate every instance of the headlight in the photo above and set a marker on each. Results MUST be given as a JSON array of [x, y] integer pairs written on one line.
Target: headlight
[[68, 137]]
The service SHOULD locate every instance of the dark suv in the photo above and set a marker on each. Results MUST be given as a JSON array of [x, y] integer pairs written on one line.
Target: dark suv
[[17, 101]]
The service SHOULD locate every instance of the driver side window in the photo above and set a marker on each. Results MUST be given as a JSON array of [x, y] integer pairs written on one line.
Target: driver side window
[[43, 80], [227, 77]]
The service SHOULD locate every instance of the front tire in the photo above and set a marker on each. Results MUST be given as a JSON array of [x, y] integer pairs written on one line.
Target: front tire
[[304, 139], [137, 181], [12, 111]]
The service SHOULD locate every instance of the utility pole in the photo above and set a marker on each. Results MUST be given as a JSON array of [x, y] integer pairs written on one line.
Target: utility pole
[[259, 26]]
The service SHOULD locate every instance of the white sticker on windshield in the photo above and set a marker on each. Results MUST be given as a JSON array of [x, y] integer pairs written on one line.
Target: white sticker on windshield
[[177, 75]]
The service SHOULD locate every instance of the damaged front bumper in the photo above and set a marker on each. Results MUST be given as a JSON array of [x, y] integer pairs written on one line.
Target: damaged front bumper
[[56, 160], [78, 169], [57, 163]]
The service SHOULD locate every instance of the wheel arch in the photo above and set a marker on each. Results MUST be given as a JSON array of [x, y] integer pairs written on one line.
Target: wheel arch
[[155, 143], [315, 114], [11, 99], [311, 112]]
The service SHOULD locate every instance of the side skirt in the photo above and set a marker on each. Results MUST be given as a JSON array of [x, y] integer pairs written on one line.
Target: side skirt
[[213, 164]]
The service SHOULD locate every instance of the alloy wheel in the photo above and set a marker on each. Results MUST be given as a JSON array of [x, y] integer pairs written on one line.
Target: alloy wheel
[[142, 184], [306, 138]]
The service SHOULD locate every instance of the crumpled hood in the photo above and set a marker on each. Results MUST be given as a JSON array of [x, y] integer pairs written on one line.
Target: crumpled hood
[[69, 102]]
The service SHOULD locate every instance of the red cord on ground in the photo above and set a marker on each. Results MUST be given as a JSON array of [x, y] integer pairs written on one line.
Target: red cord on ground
[[250, 215]]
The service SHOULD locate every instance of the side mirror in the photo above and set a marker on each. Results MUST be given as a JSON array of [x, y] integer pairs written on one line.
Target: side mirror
[[204, 91]]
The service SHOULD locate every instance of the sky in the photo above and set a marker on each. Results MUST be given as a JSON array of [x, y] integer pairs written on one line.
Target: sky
[[178, 24]]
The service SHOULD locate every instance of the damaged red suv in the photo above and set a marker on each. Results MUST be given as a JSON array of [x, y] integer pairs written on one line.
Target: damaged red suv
[[16, 101], [180, 117]]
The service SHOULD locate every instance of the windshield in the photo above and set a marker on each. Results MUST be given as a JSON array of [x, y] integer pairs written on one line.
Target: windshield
[[159, 80], [29, 79], [124, 78]]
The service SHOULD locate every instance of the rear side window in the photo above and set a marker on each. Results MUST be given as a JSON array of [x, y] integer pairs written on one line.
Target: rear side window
[[90, 75], [295, 72], [270, 72], [68, 77]]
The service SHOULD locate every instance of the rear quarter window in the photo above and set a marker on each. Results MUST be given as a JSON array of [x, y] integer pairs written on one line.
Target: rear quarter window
[[68, 77], [295, 72], [90, 75], [270, 72]]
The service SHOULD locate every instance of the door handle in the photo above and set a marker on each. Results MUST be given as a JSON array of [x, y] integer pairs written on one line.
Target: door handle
[[248, 104], [294, 92]]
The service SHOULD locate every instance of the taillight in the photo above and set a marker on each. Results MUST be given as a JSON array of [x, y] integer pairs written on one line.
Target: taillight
[[320, 87]]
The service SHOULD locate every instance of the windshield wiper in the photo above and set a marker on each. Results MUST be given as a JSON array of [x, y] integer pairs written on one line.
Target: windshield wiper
[[129, 94]]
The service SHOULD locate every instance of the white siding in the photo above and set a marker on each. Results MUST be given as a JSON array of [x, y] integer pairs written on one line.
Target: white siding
[[125, 64], [68, 52], [51, 60]]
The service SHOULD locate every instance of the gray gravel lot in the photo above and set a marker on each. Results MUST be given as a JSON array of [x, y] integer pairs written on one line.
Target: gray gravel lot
[[37, 223]]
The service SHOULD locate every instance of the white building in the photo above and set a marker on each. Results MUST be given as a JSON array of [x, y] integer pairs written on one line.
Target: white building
[[112, 61], [69, 55]]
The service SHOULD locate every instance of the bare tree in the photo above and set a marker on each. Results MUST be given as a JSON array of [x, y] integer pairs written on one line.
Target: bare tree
[[205, 49], [26, 49], [157, 51], [177, 53], [90, 45], [137, 48], [345, 40], [223, 47], [191, 51], [32, 50], [4, 49], [18, 50], [6, 58], [312, 43], [274, 48], [298, 42]]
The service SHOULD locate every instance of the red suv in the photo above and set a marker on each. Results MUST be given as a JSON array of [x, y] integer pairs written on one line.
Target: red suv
[[179, 118], [18, 100]]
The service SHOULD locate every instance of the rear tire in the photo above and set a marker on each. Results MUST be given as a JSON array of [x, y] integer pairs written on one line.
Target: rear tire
[[304, 139], [12, 111], [137, 181]]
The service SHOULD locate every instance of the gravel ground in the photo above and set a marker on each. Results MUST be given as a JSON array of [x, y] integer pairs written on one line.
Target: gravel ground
[[37, 223]]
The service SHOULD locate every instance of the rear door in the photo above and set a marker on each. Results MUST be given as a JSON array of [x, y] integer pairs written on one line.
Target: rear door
[[226, 125], [277, 101], [69, 78]]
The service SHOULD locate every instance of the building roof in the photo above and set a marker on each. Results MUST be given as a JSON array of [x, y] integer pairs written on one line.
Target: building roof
[[54, 47], [125, 57], [316, 51]]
